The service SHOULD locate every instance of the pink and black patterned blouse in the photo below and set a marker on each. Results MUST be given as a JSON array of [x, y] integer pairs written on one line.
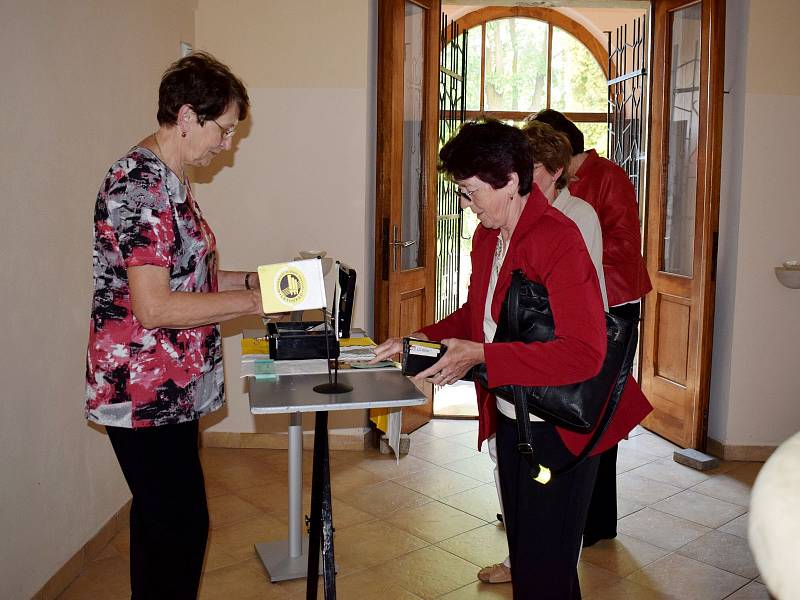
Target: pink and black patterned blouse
[[137, 377]]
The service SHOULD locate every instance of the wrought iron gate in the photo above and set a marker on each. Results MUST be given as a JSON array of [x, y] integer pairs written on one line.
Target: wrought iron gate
[[452, 103], [627, 94]]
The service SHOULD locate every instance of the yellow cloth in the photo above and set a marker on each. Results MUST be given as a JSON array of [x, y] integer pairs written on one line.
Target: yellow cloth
[[380, 416]]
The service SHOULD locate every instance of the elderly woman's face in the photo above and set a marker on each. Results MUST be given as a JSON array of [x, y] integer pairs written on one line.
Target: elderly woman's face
[[211, 138], [491, 206]]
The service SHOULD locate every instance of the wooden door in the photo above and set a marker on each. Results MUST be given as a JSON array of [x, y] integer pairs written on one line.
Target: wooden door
[[408, 43], [682, 215]]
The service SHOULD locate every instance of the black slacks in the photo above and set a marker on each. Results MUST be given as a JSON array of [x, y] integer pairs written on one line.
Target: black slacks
[[601, 522], [544, 523], [169, 513]]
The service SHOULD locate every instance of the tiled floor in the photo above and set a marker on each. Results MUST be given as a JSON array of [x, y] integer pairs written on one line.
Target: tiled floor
[[421, 529]]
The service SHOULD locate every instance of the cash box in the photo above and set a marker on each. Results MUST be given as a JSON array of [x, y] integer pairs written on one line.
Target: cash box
[[296, 340]]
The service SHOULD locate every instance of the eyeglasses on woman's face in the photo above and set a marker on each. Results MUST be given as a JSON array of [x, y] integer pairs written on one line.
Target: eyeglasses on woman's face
[[226, 133]]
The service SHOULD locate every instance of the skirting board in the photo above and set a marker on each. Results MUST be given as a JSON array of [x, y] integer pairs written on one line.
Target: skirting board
[[70, 570], [356, 438], [743, 453]]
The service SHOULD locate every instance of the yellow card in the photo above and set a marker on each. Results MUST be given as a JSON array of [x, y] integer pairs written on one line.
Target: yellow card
[[255, 346], [359, 341]]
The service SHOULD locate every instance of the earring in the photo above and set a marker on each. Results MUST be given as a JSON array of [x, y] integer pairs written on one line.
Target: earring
[[183, 134]]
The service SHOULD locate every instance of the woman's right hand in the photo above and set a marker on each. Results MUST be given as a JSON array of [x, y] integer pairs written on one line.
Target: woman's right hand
[[387, 349]]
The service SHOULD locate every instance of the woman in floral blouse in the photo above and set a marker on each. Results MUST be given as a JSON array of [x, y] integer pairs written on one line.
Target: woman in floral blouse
[[154, 360]]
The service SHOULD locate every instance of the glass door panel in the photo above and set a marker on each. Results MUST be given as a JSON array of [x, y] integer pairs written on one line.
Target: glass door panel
[[408, 243], [677, 251]]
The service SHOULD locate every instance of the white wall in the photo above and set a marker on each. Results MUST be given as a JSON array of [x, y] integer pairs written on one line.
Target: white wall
[[755, 395], [79, 87], [301, 176]]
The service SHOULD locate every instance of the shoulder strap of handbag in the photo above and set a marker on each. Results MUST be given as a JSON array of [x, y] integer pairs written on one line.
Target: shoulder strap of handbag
[[525, 443]]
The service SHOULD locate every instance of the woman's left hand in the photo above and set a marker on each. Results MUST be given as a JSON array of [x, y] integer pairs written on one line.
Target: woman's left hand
[[460, 357]]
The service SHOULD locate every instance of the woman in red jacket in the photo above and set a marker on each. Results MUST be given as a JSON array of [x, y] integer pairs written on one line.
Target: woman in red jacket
[[492, 165]]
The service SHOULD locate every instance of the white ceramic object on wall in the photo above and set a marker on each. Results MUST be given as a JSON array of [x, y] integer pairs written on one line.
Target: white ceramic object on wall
[[788, 276]]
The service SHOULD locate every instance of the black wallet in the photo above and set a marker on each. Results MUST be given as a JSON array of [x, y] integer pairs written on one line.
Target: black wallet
[[418, 355]]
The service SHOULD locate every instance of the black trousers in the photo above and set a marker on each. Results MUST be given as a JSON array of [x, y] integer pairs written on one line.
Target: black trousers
[[544, 523], [601, 522], [169, 513]]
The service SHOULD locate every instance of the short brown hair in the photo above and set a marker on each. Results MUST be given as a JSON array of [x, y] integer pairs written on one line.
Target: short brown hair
[[205, 84], [551, 148]]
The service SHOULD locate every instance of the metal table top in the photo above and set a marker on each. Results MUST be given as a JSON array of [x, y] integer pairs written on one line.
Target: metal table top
[[371, 389]]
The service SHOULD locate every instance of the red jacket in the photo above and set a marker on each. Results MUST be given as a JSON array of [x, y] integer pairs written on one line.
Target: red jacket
[[548, 247], [607, 188]]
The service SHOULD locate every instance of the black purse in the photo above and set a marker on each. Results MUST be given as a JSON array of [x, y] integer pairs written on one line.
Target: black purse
[[581, 407]]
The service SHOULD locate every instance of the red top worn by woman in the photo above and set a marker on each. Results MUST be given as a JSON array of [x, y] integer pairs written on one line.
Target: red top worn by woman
[[608, 189], [548, 248]]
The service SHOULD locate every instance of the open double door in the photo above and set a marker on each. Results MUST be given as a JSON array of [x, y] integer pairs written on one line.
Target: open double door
[[680, 216]]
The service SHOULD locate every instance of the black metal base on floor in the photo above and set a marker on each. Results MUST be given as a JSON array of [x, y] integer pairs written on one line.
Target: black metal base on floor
[[321, 526]]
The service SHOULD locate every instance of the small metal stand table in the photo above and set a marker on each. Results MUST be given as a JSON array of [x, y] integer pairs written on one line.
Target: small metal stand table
[[294, 394]]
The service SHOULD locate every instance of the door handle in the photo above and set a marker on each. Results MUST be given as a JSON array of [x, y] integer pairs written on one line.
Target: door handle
[[398, 244]]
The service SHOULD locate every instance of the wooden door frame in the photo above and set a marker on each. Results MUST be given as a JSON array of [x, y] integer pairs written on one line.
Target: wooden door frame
[[708, 187]]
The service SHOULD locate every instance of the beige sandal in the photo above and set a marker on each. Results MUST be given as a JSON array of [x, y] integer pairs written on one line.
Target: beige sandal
[[498, 573]]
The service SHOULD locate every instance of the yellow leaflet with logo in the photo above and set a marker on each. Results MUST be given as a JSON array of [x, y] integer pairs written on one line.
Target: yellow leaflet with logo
[[290, 286], [358, 341]]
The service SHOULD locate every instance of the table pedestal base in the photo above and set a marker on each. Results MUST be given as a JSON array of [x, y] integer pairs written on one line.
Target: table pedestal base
[[279, 565]]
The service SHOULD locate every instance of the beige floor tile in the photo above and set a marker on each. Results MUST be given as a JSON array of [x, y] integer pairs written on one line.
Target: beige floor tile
[[688, 579], [277, 462], [469, 440], [478, 467], [594, 578], [237, 476], [478, 590], [442, 452], [668, 471], [481, 502], [651, 444], [628, 458], [365, 584], [628, 590], [660, 529], [482, 546], [273, 497], [442, 428], [700, 508], [737, 527], [215, 488], [752, 591], [383, 499], [623, 555], [726, 487], [626, 506], [228, 509], [371, 544], [108, 578], [216, 556], [419, 438], [349, 477], [387, 467], [430, 572], [746, 472], [434, 522], [437, 482], [643, 490], [236, 581], [723, 550], [239, 539], [122, 542]]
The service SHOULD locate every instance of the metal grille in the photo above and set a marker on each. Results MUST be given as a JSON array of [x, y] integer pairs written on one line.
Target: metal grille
[[452, 103], [627, 93]]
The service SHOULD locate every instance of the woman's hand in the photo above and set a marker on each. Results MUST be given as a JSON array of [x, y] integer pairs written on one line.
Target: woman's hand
[[387, 349], [460, 357]]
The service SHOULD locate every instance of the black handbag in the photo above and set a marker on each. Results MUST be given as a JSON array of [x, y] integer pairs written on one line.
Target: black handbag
[[582, 407]]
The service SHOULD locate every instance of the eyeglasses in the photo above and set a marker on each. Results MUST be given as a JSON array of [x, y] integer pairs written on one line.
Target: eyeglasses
[[465, 194], [226, 133]]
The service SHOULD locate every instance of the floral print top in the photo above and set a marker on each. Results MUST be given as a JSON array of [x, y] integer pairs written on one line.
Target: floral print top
[[137, 377]]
